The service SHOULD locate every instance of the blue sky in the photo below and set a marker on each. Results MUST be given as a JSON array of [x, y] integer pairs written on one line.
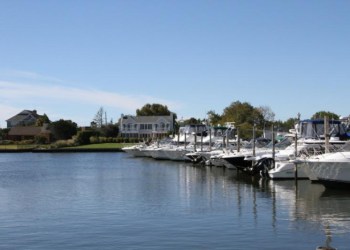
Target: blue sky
[[69, 58]]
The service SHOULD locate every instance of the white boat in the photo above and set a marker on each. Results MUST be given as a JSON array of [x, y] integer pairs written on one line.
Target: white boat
[[135, 150], [330, 169], [311, 142], [286, 170]]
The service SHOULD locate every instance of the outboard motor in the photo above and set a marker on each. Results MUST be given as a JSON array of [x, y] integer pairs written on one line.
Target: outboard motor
[[262, 167]]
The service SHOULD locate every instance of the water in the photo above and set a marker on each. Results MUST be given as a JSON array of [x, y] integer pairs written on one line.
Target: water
[[113, 201]]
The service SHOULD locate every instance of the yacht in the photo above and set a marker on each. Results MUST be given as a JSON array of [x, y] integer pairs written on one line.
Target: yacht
[[331, 169], [311, 142]]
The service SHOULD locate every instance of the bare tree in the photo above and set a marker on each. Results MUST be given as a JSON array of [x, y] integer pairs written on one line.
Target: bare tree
[[98, 120]]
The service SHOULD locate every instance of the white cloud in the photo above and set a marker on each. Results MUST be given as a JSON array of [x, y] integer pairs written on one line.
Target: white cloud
[[67, 102], [13, 92]]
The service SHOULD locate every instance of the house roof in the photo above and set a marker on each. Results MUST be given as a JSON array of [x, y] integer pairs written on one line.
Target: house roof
[[148, 119], [28, 131], [22, 116]]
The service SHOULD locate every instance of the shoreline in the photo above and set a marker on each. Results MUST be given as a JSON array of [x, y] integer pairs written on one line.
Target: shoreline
[[62, 150]]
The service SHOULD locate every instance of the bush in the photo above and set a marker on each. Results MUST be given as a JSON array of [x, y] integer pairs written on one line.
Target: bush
[[25, 142], [94, 139], [40, 139], [6, 142], [64, 143], [83, 137]]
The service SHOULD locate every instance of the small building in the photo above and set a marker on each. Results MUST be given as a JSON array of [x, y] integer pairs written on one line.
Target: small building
[[146, 126], [20, 133], [24, 118]]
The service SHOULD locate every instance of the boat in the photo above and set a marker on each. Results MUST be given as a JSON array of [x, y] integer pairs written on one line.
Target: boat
[[330, 169], [311, 142]]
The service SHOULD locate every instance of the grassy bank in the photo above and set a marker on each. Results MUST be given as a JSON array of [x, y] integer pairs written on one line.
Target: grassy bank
[[100, 147], [103, 146]]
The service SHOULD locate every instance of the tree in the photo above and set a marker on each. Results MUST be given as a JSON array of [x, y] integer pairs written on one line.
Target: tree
[[239, 113], [214, 118], [42, 120], [110, 130], [98, 120], [63, 129], [153, 109], [285, 126], [267, 113], [245, 116], [322, 114], [192, 121]]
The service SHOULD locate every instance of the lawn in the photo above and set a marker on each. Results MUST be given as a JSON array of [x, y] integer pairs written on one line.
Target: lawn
[[16, 146], [89, 146], [103, 146]]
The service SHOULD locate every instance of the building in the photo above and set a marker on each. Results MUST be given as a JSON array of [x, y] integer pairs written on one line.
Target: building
[[146, 126], [20, 133], [24, 118]]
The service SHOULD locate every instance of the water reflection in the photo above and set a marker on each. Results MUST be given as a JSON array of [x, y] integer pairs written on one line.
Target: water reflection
[[162, 204], [302, 205]]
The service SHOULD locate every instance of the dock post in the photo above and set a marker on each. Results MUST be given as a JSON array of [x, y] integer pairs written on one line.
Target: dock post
[[209, 138], [296, 154], [238, 141], [273, 146], [254, 140], [326, 134], [201, 141]]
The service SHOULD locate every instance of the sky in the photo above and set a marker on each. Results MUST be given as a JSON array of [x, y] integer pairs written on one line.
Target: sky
[[69, 58]]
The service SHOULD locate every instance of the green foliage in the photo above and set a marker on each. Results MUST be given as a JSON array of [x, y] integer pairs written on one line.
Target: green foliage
[[83, 137], [39, 139], [42, 120], [322, 114], [285, 126], [242, 113], [192, 120], [110, 130], [214, 118], [246, 131], [63, 143], [63, 129], [153, 109]]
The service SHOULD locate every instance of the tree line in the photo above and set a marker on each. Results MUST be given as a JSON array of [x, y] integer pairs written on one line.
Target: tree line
[[243, 114]]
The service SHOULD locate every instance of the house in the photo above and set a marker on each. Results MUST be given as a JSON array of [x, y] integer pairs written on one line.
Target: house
[[29, 133], [146, 126], [24, 118]]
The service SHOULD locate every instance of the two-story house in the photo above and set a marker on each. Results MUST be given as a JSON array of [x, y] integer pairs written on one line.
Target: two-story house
[[146, 126], [23, 127], [24, 118]]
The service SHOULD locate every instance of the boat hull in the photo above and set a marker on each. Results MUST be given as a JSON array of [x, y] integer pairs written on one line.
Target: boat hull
[[332, 170]]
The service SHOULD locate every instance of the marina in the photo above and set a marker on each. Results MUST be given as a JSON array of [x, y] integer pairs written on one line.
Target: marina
[[114, 200]]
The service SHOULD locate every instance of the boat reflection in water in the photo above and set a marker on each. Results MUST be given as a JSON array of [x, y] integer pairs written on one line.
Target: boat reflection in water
[[285, 209], [327, 209]]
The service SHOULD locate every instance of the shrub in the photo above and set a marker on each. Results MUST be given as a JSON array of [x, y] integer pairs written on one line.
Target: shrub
[[94, 139], [83, 137], [40, 139]]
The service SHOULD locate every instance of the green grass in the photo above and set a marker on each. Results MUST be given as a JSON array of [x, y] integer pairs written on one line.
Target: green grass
[[89, 146], [16, 146], [104, 145]]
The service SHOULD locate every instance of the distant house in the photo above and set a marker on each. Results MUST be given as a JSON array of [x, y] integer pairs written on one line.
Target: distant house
[[29, 133], [24, 118], [145, 126]]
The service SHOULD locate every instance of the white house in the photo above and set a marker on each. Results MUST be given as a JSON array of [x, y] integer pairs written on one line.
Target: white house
[[146, 126]]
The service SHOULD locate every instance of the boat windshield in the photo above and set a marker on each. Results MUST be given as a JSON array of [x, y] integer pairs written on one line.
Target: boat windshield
[[284, 143]]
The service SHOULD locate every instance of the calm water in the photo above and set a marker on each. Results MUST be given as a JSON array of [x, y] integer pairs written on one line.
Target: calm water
[[113, 201]]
